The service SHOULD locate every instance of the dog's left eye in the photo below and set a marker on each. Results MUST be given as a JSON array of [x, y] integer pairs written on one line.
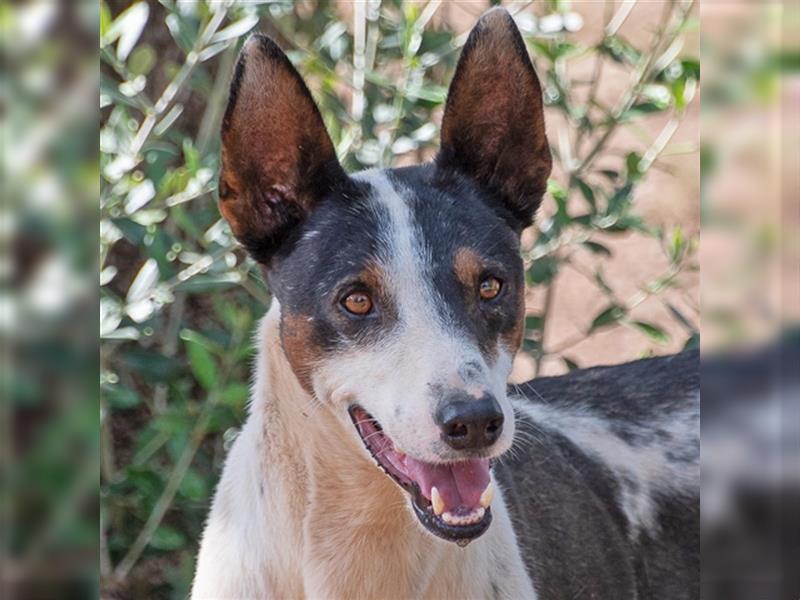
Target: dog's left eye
[[490, 288], [357, 303]]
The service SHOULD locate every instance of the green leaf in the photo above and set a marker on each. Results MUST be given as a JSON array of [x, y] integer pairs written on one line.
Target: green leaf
[[679, 316], [533, 323], [555, 190], [120, 397], [596, 248], [693, 341], [105, 20], [620, 50], [202, 363], [677, 246], [189, 335], [436, 94], [142, 60], [542, 270], [620, 200], [601, 282], [606, 317], [181, 32], [626, 223], [235, 395], [235, 29], [691, 68], [587, 192], [561, 218], [128, 24], [135, 19], [191, 155], [167, 538], [632, 162], [153, 366], [193, 486], [643, 108], [532, 347], [652, 331]]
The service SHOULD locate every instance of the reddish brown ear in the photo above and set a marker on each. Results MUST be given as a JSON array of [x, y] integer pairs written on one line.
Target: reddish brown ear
[[493, 125], [277, 157]]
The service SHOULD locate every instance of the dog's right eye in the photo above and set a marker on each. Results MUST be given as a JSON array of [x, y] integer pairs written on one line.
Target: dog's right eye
[[357, 303], [490, 288]]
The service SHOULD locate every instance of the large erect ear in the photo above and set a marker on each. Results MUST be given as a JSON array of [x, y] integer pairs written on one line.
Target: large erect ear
[[493, 125], [277, 157]]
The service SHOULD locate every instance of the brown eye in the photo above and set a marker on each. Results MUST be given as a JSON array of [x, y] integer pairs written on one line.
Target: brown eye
[[357, 303], [490, 288]]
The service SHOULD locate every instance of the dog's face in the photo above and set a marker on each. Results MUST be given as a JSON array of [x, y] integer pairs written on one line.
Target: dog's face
[[401, 291]]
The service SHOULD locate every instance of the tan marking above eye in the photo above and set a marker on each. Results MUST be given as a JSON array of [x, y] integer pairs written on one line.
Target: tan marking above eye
[[358, 303], [489, 288]]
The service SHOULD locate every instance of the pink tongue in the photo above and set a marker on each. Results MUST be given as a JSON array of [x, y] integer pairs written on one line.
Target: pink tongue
[[460, 484]]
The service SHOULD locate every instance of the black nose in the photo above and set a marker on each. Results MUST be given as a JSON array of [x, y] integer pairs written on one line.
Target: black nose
[[467, 423]]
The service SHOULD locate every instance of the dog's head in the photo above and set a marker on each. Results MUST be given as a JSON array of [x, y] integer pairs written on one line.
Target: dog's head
[[402, 290]]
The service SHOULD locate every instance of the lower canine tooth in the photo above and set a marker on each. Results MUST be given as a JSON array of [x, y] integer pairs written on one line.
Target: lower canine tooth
[[437, 502], [487, 495]]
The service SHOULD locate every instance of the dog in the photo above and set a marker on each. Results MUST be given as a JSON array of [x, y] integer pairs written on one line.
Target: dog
[[384, 455]]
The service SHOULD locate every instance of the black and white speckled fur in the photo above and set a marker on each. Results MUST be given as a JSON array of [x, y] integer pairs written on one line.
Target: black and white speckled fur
[[597, 497], [603, 486]]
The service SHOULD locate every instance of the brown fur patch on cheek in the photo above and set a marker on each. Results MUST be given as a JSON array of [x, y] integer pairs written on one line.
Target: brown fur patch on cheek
[[297, 338]]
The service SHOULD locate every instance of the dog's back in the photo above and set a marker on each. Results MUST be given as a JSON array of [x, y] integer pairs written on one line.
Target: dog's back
[[603, 486]]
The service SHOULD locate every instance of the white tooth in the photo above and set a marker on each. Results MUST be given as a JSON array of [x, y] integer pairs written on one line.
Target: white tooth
[[437, 502], [487, 495], [449, 517]]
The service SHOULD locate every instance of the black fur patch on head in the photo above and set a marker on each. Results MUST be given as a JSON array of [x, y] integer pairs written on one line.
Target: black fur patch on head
[[453, 218], [338, 249], [346, 244]]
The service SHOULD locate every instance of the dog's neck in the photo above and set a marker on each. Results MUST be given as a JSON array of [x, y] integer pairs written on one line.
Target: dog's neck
[[356, 533]]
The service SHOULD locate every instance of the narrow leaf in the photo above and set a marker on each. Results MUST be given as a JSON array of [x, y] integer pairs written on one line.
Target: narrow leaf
[[235, 29], [608, 316], [202, 364], [587, 192], [596, 248], [135, 19], [652, 331], [570, 364], [144, 282]]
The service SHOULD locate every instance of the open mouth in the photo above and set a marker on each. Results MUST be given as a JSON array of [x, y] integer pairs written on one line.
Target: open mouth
[[451, 500]]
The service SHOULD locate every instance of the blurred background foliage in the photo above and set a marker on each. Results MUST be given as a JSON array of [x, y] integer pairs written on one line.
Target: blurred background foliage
[[179, 300]]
